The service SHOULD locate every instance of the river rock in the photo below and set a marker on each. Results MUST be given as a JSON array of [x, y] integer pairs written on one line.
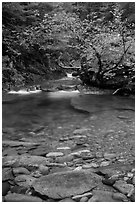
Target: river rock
[[119, 197], [84, 199], [117, 170], [43, 169], [56, 165], [20, 170], [54, 154], [108, 181], [66, 184], [90, 165], [14, 197], [104, 163], [123, 187], [101, 196], [24, 160], [81, 153], [88, 156], [65, 150], [7, 174], [66, 158], [109, 156], [19, 189], [41, 150], [24, 180]]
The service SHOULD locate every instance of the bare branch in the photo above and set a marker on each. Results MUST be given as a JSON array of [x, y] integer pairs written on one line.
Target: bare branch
[[120, 60], [98, 57]]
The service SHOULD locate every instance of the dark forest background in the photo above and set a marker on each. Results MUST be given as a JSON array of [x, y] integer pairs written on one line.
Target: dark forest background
[[40, 39]]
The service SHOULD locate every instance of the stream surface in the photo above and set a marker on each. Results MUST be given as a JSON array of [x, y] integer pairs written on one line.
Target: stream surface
[[110, 118]]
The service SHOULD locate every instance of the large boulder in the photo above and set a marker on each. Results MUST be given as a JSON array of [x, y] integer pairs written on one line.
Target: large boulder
[[65, 184]]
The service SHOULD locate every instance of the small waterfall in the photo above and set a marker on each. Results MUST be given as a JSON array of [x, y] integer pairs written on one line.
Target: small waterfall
[[24, 92], [69, 75]]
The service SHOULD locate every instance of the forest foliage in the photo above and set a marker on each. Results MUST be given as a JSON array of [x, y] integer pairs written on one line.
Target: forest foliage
[[98, 37]]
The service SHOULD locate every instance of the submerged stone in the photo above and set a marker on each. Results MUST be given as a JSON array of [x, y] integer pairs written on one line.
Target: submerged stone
[[65, 184], [24, 160]]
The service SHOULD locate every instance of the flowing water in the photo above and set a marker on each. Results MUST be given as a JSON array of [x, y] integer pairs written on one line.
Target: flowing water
[[52, 110], [24, 111], [52, 115]]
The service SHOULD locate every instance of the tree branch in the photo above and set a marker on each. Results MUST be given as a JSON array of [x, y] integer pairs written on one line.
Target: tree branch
[[120, 60], [98, 57]]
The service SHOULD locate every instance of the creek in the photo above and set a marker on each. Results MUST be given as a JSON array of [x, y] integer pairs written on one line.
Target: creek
[[58, 110], [51, 115]]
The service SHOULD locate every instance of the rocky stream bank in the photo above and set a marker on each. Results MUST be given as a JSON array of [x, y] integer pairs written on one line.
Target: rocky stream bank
[[69, 171], [92, 162]]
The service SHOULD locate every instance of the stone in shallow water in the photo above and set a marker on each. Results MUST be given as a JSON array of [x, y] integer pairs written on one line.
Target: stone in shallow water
[[65, 184], [14, 197], [54, 154], [20, 170], [24, 160]]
